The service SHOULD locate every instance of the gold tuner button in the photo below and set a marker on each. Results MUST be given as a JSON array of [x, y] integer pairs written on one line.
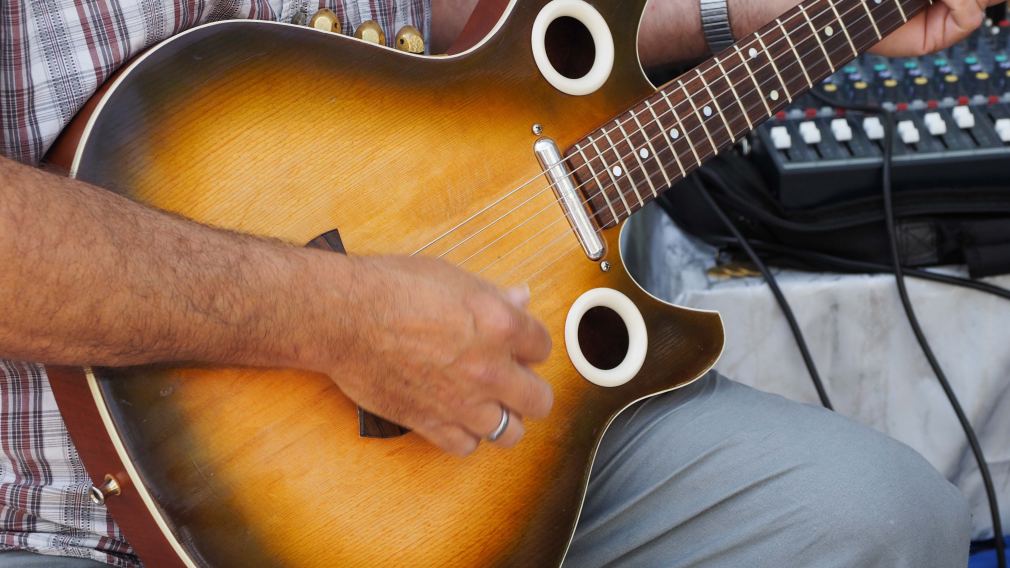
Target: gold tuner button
[[371, 31], [108, 489], [326, 20], [409, 39]]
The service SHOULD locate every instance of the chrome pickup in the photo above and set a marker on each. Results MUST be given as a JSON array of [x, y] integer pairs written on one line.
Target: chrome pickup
[[561, 180]]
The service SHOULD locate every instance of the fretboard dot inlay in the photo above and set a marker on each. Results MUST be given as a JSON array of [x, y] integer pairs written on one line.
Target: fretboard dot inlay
[[707, 110], [617, 171], [674, 133], [828, 31], [753, 53], [773, 95], [643, 153]]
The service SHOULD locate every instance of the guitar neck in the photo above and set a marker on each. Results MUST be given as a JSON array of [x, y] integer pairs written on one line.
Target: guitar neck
[[629, 161]]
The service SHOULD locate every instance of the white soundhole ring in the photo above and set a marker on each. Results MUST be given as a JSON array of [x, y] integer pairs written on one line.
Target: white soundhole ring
[[602, 39], [638, 337]]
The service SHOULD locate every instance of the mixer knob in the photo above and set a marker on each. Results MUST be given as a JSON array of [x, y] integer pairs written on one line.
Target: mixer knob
[[951, 85], [1003, 129], [860, 92], [841, 129], [890, 90], [908, 132], [781, 138], [935, 123], [873, 128], [963, 117], [920, 88], [810, 132]]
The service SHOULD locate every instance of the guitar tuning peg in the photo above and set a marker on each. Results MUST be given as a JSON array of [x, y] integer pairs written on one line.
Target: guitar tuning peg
[[409, 39], [370, 30], [326, 20]]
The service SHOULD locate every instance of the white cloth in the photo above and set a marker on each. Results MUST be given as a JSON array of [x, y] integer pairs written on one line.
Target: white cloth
[[858, 335]]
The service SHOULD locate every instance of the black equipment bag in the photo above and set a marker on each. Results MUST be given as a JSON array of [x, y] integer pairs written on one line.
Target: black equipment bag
[[935, 226]]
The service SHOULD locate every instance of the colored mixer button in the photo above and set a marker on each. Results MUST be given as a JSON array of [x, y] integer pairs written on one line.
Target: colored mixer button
[[921, 81], [860, 85], [1000, 58], [830, 88], [950, 78], [971, 60], [911, 64]]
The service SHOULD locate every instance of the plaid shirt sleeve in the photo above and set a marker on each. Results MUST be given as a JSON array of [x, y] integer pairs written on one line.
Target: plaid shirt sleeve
[[53, 56]]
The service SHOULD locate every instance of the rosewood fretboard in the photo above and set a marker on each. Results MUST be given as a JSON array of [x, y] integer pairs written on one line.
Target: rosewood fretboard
[[629, 161]]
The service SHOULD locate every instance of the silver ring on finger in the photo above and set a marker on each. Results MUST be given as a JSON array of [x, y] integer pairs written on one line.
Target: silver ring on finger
[[503, 425]]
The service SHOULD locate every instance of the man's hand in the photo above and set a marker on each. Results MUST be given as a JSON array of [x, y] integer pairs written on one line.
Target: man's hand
[[940, 26], [442, 352]]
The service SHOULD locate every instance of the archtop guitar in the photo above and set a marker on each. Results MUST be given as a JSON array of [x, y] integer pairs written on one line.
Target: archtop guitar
[[496, 159]]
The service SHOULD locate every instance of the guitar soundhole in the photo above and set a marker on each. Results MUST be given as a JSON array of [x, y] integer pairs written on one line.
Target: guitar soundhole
[[570, 47], [603, 337]]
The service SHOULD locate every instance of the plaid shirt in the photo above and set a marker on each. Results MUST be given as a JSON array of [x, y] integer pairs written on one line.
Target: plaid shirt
[[53, 56]]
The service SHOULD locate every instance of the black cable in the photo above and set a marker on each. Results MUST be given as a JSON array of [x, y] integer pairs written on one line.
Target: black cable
[[808, 360], [913, 321]]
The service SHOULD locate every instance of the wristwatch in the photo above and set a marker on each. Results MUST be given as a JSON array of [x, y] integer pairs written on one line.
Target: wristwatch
[[715, 25]]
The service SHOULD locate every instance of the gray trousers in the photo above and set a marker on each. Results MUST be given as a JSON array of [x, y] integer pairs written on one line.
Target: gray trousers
[[721, 475]]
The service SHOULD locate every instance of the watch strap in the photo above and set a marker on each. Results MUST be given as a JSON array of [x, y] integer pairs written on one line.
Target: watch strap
[[715, 24]]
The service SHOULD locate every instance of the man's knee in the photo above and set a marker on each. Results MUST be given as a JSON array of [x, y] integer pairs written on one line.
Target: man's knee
[[882, 504]]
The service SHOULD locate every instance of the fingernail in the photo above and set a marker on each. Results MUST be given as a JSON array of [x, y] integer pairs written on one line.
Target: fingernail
[[518, 296]]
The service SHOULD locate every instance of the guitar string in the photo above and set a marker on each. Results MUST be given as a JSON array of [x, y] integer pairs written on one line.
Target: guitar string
[[567, 231], [603, 186], [706, 156], [635, 115]]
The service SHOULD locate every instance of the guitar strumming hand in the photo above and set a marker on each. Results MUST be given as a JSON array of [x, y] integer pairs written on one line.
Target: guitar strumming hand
[[414, 339]]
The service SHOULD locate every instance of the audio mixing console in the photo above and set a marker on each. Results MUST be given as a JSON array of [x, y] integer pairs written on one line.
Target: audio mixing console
[[952, 111]]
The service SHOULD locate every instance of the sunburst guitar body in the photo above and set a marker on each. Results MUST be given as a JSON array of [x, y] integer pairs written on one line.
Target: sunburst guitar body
[[293, 133]]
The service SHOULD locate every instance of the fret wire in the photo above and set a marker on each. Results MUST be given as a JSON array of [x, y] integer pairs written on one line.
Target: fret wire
[[869, 16], [596, 179], [715, 102], [810, 84], [652, 149], [775, 68], [681, 129], [638, 159], [757, 87], [902, 10], [663, 135], [739, 103], [845, 29], [606, 167], [817, 36], [701, 119], [623, 167]]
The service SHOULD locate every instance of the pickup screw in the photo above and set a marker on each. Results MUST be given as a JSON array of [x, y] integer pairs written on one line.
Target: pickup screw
[[605, 266], [537, 129]]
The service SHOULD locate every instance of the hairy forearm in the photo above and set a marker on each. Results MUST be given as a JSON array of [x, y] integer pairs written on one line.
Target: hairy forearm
[[90, 277]]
